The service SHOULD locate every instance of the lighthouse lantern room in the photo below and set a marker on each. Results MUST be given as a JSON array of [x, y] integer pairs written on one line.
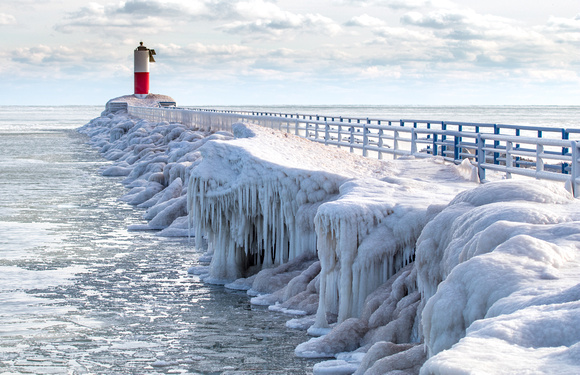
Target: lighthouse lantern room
[[143, 56]]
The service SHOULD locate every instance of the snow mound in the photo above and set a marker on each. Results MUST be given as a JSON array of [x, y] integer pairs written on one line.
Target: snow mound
[[498, 269]]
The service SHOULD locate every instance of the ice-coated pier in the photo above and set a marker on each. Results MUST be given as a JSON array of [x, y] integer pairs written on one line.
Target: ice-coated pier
[[399, 266]]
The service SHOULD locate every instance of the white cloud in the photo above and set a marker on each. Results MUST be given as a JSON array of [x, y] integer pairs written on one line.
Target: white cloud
[[46, 61], [266, 19], [253, 18], [365, 20], [563, 29], [43, 54], [400, 4], [7, 19], [142, 16], [373, 72], [435, 20], [207, 56]]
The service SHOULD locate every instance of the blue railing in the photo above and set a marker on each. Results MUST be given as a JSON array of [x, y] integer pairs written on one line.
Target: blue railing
[[540, 152]]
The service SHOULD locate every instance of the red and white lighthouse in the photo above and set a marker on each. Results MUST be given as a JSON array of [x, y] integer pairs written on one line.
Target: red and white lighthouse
[[143, 56]]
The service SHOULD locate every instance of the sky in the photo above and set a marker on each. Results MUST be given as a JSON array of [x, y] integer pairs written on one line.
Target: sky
[[267, 52]]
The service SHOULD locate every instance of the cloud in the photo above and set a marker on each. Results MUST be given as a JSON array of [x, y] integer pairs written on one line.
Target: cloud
[[7, 19], [236, 58], [43, 54], [265, 19], [254, 18], [365, 21], [563, 29], [459, 42], [373, 72], [209, 56], [43, 61], [282, 24], [143, 16], [436, 20], [400, 4]]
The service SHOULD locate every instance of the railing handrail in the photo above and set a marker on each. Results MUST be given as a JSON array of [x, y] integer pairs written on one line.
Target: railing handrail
[[553, 158], [403, 120]]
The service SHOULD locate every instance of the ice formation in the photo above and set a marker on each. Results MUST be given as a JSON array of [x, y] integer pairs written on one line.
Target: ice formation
[[399, 267], [256, 205], [154, 159], [498, 273]]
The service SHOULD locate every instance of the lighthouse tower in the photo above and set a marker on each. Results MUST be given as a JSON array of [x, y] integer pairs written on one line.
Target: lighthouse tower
[[143, 56]]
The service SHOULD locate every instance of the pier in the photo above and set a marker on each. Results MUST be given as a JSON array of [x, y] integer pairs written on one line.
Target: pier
[[548, 153], [382, 257]]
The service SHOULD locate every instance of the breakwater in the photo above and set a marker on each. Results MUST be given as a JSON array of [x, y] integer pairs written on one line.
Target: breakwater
[[542, 152], [391, 254]]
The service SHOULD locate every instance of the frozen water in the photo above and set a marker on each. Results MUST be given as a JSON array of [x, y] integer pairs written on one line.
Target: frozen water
[[81, 294], [391, 263]]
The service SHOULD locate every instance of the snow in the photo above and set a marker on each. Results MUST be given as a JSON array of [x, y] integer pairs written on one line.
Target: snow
[[399, 267], [151, 100], [506, 278]]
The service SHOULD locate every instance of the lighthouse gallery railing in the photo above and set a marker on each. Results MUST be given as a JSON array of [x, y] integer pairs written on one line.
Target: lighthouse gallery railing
[[540, 152]]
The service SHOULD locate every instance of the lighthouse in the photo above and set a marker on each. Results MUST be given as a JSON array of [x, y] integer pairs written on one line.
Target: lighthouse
[[143, 56]]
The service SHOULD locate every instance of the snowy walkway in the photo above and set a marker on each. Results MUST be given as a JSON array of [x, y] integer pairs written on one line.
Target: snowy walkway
[[390, 267]]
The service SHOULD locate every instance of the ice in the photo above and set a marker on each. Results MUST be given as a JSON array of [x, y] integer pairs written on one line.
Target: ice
[[400, 266], [503, 270], [301, 323], [155, 158], [257, 204], [388, 315], [338, 367], [298, 297], [178, 228]]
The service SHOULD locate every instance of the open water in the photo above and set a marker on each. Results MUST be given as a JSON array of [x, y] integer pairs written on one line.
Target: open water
[[79, 294], [550, 116]]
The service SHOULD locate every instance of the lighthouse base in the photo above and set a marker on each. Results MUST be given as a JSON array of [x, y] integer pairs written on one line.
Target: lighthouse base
[[141, 96]]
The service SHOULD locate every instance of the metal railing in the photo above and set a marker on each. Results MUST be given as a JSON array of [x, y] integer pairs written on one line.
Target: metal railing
[[540, 152]]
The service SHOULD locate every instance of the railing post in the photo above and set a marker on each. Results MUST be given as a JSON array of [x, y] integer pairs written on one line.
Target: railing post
[[480, 157], [456, 147], [575, 175], [428, 135], [395, 143], [508, 159], [326, 133], [316, 130], [539, 158], [496, 130], [413, 142], [380, 144], [443, 139], [565, 150], [365, 138], [351, 138]]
